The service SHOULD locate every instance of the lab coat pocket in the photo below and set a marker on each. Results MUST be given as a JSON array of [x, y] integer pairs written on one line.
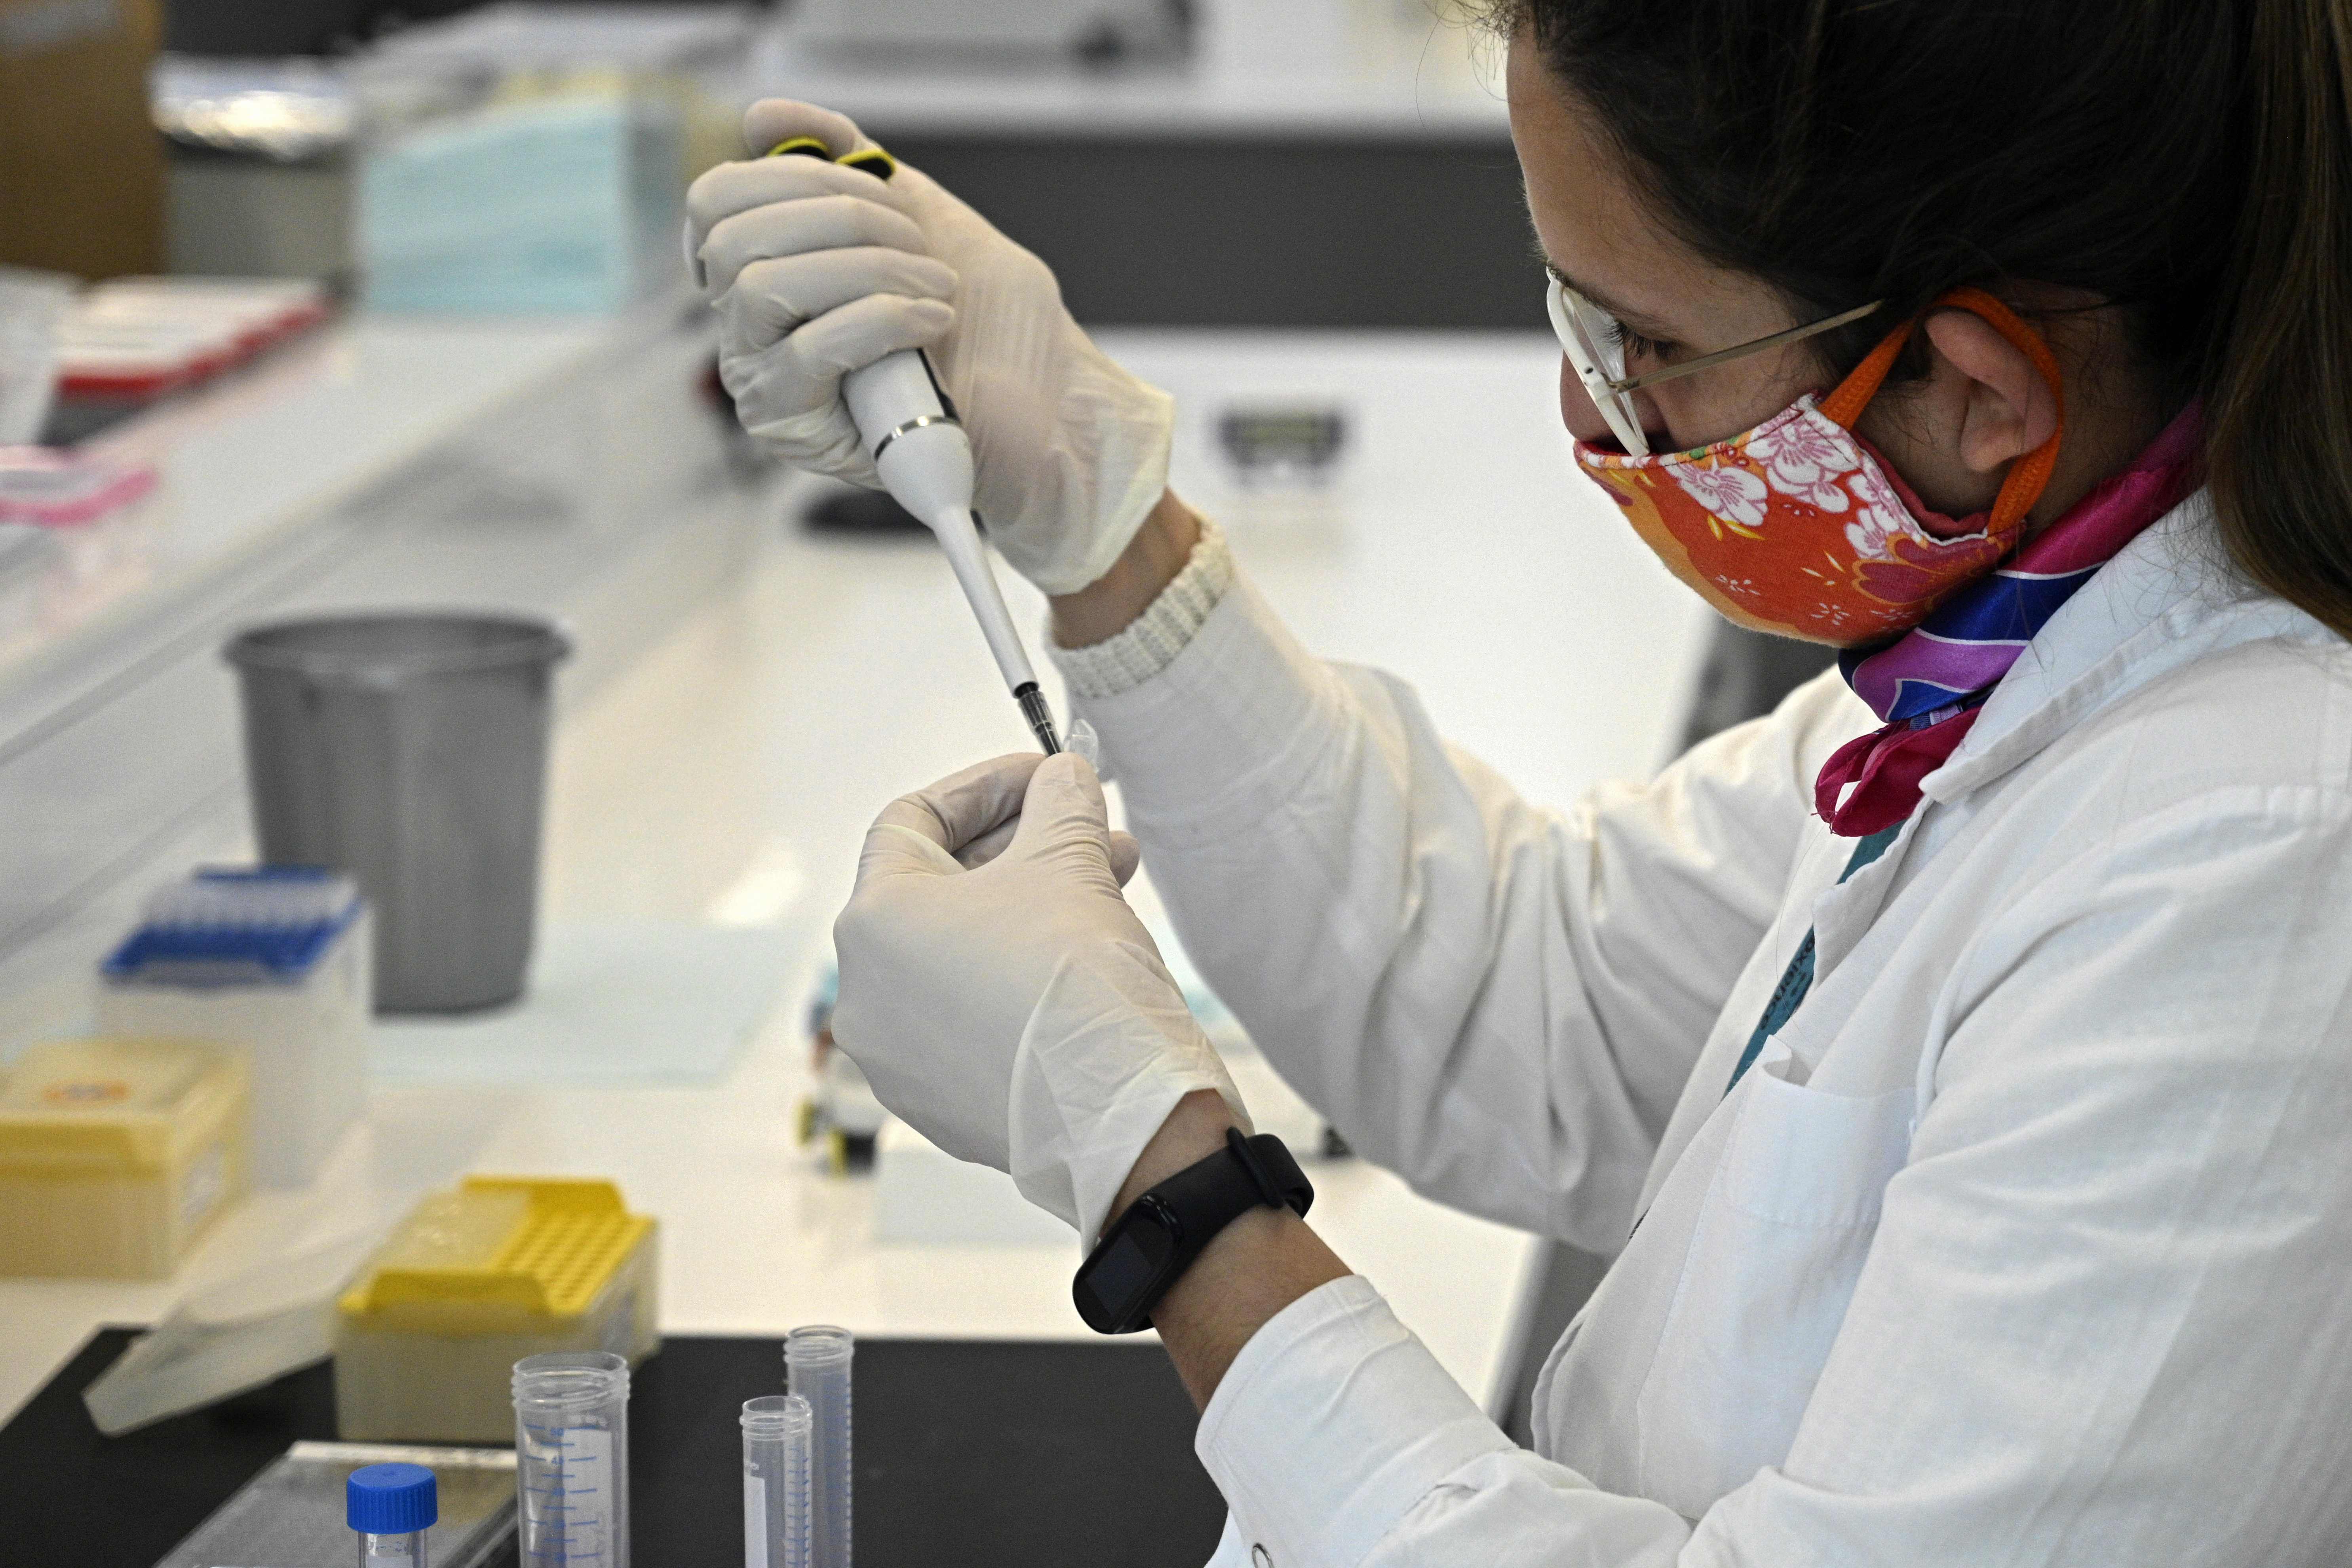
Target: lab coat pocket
[[1779, 1241]]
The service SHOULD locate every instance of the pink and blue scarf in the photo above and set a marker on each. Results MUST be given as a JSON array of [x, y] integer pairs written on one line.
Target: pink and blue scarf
[[1929, 684]]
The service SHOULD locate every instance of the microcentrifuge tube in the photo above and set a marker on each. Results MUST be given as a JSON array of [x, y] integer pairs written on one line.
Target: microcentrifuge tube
[[572, 1459], [816, 1368], [776, 1484], [1083, 741]]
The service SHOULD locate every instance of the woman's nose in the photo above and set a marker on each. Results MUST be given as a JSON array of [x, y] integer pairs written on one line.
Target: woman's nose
[[1584, 421], [1576, 410]]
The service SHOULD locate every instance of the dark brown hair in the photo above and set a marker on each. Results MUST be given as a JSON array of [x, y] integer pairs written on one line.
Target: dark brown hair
[[2190, 160]]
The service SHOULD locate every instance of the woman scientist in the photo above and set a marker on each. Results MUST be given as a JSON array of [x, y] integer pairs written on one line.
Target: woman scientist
[[1958, 1061]]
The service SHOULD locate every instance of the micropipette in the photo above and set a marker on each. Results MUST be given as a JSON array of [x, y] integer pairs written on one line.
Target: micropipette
[[911, 430], [920, 448]]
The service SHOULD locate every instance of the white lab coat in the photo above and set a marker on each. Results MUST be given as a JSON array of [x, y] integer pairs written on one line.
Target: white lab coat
[[2028, 1240]]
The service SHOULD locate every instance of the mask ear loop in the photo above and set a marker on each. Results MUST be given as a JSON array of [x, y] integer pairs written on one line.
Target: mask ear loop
[[2030, 474]]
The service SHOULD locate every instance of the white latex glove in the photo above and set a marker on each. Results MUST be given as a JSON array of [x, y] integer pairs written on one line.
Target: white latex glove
[[818, 270], [1009, 1004]]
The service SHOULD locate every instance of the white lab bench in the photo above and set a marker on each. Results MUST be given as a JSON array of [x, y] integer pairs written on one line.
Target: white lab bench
[[726, 767]]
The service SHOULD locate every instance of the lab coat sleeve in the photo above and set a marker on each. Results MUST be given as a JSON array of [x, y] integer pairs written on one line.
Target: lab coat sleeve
[[2102, 1322], [1339, 1441], [1497, 1000]]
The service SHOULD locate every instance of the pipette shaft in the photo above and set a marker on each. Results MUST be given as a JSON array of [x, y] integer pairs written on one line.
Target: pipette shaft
[[920, 448]]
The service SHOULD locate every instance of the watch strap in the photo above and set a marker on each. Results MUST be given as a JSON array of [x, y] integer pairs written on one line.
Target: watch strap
[[1247, 1172], [1191, 1207]]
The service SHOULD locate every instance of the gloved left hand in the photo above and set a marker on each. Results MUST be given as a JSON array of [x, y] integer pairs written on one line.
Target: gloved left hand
[[1009, 1004]]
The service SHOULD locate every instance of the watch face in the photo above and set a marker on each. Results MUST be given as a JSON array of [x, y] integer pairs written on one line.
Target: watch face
[[1126, 1266]]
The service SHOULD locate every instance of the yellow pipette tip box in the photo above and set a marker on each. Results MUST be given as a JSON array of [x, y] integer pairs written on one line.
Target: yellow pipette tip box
[[117, 1154], [475, 1279]]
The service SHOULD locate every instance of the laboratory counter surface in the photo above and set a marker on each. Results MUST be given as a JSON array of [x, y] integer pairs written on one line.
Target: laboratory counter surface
[[980, 1453], [724, 775]]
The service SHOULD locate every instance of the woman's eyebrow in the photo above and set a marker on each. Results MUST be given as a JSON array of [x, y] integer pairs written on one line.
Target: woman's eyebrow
[[1624, 313]]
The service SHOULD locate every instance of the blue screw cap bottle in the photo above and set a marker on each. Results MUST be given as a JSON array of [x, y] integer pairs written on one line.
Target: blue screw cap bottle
[[391, 1507]]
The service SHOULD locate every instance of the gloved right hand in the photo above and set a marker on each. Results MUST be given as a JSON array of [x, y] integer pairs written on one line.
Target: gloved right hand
[[818, 270]]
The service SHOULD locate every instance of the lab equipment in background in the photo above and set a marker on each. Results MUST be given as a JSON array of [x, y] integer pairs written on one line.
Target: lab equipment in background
[[572, 1459], [31, 305], [116, 1155], [994, 31], [389, 1508], [851, 508], [285, 109], [840, 1108], [95, 523], [534, 158], [816, 1368], [476, 1280], [134, 339], [61, 491], [296, 1513], [777, 1493], [691, 57], [259, 178], [411, 752], [228, 1337], [519, 208], [275, 962], [1268, 446]]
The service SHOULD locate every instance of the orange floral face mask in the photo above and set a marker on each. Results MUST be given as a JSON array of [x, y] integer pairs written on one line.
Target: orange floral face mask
[[1796, 527]]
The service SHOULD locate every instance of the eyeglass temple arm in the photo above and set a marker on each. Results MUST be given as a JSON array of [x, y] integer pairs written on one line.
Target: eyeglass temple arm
[[1741, 351]]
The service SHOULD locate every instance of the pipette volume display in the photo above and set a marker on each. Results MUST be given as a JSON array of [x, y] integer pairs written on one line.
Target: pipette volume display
[[572, 1459]]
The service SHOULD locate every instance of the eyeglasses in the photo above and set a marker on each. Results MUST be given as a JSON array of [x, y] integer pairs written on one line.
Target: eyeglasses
[[1595, 344]]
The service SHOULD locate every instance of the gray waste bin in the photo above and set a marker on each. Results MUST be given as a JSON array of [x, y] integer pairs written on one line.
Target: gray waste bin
[[409, 751]]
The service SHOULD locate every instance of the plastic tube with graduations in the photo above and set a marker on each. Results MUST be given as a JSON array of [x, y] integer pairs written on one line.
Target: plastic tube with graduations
[[816, 1368], [777, 1494]]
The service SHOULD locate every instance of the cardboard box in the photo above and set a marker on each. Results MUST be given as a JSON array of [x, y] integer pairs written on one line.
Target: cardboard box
[[82, 165]]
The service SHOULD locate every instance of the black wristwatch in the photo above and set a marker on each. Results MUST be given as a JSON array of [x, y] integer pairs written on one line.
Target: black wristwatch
[[1148, 1247]]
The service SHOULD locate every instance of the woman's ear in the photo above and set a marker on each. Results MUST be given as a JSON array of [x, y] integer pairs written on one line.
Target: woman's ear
[[2009, 410]]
